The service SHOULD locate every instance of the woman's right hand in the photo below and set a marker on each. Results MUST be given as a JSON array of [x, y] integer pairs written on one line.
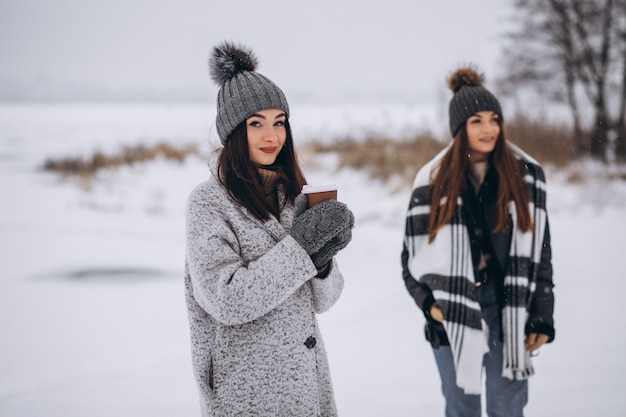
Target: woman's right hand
[[435, 313]]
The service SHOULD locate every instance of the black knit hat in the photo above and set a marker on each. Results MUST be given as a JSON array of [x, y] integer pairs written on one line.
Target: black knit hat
[[243, 91], [469, 98]]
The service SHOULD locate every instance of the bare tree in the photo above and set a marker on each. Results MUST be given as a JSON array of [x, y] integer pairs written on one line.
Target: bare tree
[[573, 52], [620, 32], [593, 27]]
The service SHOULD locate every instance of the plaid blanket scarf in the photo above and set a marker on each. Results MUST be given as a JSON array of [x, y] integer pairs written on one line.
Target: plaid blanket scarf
[[445, 266]]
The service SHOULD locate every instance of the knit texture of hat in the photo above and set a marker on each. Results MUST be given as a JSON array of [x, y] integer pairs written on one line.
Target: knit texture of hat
[[243, 91], [470, 97]]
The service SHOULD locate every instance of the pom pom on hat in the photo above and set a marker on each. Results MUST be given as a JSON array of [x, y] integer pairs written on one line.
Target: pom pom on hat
[[470, 97], [228, 60], [463, 76], [243, 91]]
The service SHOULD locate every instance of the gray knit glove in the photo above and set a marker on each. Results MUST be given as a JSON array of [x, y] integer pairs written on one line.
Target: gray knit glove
[[323, 230]]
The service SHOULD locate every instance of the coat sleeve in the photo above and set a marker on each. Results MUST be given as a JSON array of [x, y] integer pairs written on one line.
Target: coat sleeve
[[226, 287], [416, 227], [541, 309], [421, 293], [326, 291]]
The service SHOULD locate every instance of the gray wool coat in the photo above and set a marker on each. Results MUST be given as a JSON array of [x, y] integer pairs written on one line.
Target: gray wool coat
[[252, 301]]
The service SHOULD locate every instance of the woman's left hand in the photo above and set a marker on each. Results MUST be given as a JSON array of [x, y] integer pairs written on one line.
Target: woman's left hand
[[535, 340], [322, 230]]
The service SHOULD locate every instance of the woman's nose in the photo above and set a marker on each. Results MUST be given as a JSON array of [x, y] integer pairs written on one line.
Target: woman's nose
[[489, 128], [270, 135]]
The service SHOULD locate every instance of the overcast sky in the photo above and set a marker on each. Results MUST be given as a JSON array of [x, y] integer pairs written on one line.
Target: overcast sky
[[322, 49]]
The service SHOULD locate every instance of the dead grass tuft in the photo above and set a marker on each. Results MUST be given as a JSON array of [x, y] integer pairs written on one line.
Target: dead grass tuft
[[575, 177], [87, 167]]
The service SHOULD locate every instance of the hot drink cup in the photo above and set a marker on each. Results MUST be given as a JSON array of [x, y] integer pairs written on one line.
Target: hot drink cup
[[315, 194]]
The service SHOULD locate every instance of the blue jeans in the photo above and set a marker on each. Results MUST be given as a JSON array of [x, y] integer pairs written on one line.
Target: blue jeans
[[505, 398]]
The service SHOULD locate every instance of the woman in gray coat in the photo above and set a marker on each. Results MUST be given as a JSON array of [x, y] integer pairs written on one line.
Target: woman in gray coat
[[259, 262]]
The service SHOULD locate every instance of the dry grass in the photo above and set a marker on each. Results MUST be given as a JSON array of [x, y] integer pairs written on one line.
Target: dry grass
[[549, 143], [383, 158], [129, 155]]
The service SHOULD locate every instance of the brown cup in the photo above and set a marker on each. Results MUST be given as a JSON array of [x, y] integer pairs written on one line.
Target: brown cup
[[317, 194]]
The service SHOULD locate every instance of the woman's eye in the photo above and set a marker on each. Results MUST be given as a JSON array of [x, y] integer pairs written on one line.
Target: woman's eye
[[280, 123], [254, 123]]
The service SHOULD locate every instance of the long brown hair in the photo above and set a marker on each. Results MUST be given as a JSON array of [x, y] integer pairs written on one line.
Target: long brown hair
[[451, 178], [241, 178]]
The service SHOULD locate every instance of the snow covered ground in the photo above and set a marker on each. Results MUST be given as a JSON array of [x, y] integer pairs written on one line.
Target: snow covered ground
[[92, 313]]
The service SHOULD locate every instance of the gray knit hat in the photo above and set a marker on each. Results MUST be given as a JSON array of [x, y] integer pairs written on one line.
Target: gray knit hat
[[243, 91], [469, 98]]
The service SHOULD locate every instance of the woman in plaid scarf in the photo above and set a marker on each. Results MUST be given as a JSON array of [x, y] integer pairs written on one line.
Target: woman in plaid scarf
[[477, 258]]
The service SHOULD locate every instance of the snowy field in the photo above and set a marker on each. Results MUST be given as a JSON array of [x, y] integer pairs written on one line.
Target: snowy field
[[92, 314]]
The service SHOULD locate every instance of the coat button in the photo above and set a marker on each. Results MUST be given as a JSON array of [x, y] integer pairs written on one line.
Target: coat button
[[310, 342]]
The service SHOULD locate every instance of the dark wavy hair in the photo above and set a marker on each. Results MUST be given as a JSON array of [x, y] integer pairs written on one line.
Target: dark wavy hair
[[240, 176], [450, 180]]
